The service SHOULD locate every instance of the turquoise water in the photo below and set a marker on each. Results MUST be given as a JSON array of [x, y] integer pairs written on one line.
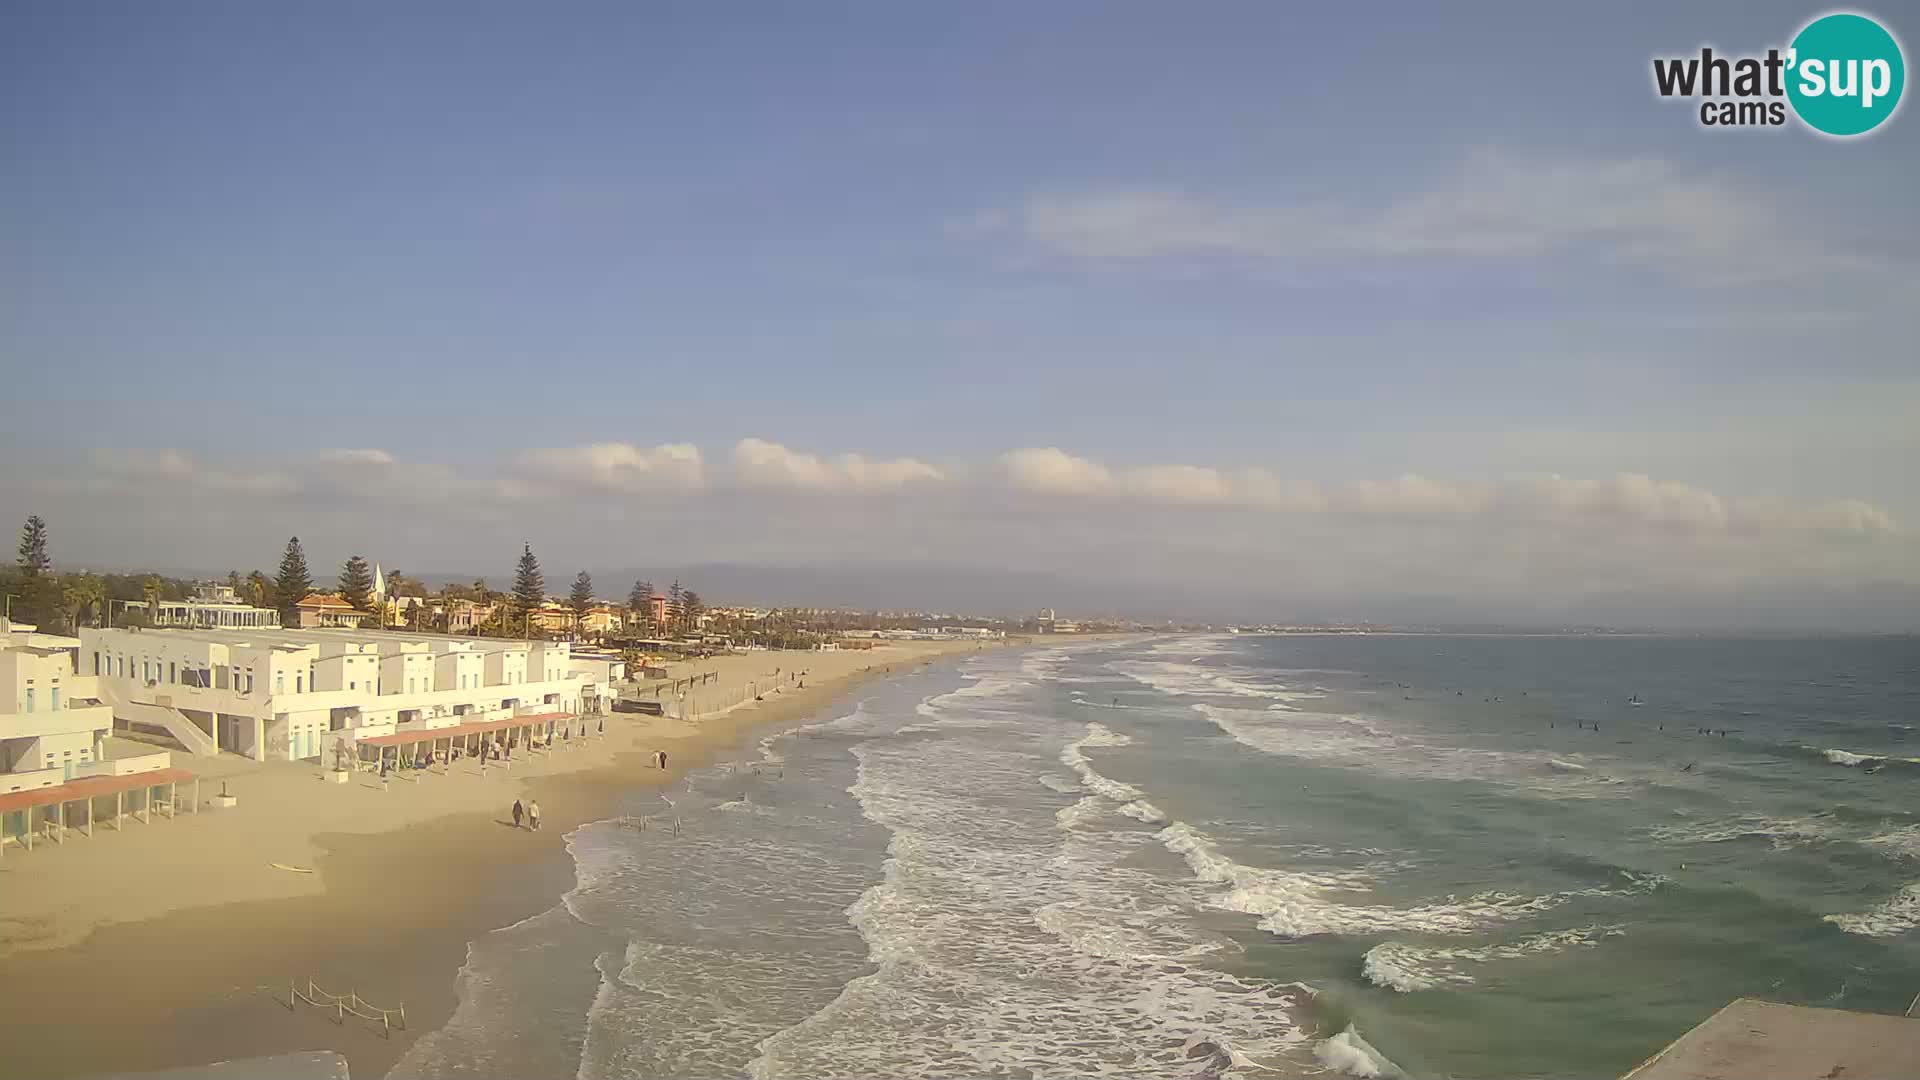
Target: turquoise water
[[1242, 856]]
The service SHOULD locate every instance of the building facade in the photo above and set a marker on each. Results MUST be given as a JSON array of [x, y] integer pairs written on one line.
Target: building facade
[[293, 694], [52, 722], [210, 607], [327, 610]]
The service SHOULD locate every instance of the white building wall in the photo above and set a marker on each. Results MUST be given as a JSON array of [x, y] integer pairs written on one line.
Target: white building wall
[[507, 667], [363, 689]]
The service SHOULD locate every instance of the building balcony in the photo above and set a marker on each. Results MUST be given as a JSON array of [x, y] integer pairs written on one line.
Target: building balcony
[[64, 721]]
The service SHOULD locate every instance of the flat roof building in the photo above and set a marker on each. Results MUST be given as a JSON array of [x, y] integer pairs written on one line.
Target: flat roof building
[[210, 607], [52, 723], [277, 694]]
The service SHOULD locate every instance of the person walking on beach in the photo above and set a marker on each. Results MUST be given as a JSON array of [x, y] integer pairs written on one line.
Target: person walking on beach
[[533, 815], [518, 813]]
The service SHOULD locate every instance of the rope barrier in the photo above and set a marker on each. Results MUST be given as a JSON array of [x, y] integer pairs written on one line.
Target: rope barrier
[[343, 1004]]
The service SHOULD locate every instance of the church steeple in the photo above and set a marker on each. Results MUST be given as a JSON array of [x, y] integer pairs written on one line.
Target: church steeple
[[379, 583]]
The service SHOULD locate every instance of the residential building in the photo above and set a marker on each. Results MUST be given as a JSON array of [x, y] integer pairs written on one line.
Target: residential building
[[551, 619], [399, 610], [329, 610], [281, 694], [210, 607], [601, 620], [465, 616], [52, 723]]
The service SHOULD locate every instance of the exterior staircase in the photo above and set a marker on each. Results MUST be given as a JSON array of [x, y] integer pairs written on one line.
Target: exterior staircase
[[175, 723]]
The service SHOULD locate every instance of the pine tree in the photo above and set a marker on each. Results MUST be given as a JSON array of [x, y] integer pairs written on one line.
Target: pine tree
[[581, 599], [529, 586], [294, 583], [356, 583], [33, 547], [673, 608], [691, 608]]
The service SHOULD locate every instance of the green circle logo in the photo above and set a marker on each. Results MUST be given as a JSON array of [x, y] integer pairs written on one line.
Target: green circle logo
[[1845, 74]]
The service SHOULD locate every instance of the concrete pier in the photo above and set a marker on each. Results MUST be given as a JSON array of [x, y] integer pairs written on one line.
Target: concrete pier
[[1752, 1038]]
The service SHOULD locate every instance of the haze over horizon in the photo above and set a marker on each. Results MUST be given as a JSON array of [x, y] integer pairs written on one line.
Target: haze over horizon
[[1444, 317]]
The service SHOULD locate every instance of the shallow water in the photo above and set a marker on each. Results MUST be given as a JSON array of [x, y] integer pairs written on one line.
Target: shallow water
[[1211, 856]]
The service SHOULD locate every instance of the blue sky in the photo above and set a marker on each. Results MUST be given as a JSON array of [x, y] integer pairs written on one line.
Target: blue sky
[[1465, 245]]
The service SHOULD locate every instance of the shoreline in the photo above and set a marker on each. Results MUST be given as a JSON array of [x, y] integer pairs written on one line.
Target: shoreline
[[388, 911]]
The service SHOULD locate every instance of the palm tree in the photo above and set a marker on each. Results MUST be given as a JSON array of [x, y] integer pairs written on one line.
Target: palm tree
[[82, 592], [150, 589], [259, 589]]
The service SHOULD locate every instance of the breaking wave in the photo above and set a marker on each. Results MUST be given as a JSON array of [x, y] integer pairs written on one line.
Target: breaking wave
[[1407, 968], [1897, 915], [1296, 904]]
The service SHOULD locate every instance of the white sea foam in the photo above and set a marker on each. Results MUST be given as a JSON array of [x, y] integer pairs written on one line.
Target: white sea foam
[[1197, 680], [1408, 968], [1782, 832], [1088, 962], [1297, 903], [1348, 1053], [1343, 741], [1851, 759], [1059, 783], [1084, 812], [1098, 735], [1904, 840], [1897, 915]]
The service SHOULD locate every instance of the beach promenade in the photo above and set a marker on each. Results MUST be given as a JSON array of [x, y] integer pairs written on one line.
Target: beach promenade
[[194, 931]]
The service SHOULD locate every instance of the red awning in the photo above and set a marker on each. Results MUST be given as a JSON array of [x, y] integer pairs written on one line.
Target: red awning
[[456, 731], [89, 787]]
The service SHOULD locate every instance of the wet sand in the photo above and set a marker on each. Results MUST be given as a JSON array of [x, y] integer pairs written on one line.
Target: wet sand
[[387, 913]]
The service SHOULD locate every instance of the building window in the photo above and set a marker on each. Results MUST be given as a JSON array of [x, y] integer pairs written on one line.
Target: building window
[[279, 682], [353, 686], [172, 674], [56, 699], [297, 684]]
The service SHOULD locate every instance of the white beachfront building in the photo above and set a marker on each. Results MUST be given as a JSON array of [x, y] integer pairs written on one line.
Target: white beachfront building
[[210, 607], [52, 723], [278, 694]]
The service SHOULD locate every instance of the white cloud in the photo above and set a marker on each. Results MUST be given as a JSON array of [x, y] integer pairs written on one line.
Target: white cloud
[[1623, 499], [763, 464], [1495, 206], [614, 467], [162, 472], [1050, 470], [356, 457]]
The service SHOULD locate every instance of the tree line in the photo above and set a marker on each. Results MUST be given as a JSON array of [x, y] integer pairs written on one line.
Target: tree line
[[34, 593]]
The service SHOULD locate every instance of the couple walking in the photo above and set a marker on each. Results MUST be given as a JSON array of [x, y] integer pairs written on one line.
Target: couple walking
[[531, 812]]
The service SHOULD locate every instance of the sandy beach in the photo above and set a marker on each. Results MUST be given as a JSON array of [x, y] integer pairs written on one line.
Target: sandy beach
[[193, 933]]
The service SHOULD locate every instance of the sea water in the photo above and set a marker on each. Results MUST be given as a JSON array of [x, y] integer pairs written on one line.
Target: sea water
[[1220, 856]]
